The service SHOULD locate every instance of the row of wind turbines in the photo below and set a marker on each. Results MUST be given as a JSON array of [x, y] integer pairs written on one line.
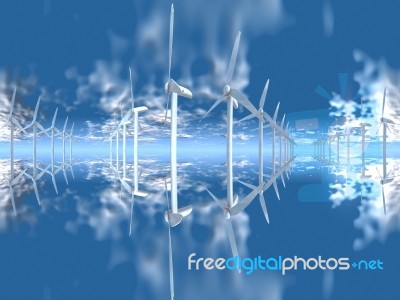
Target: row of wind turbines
[[282, 142], [37, 130], [337, 132]]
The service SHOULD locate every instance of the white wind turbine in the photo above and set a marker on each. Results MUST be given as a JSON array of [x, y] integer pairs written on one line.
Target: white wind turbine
[[71, 137], [54, 133], [11, 182], [35, 125], [363, 126], [136, 111], [260, 116], [272, 123], [175, 216], [232, 97], [64, 137], [385, 175], [35, 176], [13, 122]]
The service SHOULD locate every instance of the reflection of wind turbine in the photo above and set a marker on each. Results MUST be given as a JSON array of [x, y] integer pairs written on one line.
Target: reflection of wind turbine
[[363, 126], [240, 206], [35, 178], [232, 96], [275, 126], [136, 191], [35, 125], [54, 131], [71, 137], [11, 182], [384, 121], [170, 258], [229, 229], [12, 121], [260, 116], [64, 136], [385, 176], [175, 215]]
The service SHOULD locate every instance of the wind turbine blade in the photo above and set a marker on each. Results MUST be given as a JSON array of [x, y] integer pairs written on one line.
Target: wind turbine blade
[[246, 118], [171, 264], [126, 186], [231, 237], [244, 101], [12, 102], [16, 179], [283, 120], [72, 129], [131, 221], [65, 124], [15, 121], [12, 200], [383, 199], [72, 171], [264, 207], [36, 192], [211, 109], [54, 183], [232, 62], [276, 112], [283, 181], [130, 78], [264, 94], [343, 83], [323, 93], [276, 190], [379, 173], [171, 39], [379, 128], [65, 176], [40, 127], [384, 102], [53, 122], [250, 186], [215, 198], [166, 110], [43, 171], [36, 110]]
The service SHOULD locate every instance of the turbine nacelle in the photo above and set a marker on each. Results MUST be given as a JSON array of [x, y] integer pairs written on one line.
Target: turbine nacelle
[[174, 219], [386, 120], [172, 87]]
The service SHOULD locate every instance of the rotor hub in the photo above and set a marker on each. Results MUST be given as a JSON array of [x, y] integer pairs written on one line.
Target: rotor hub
[[261, 111], [227, 213], [227, 90], [166, 87]]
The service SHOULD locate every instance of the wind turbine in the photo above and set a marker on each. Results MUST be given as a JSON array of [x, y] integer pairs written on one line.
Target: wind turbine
[[35, 178], [136, 111], [35, 125], [11, 182], [260, 116], [173, 90], [232, 97], [385, 176], [71, 137], [64, 136], [13, 122], [275, 126], [226, 209], [241, 205], [363, 126], [54, 133]]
